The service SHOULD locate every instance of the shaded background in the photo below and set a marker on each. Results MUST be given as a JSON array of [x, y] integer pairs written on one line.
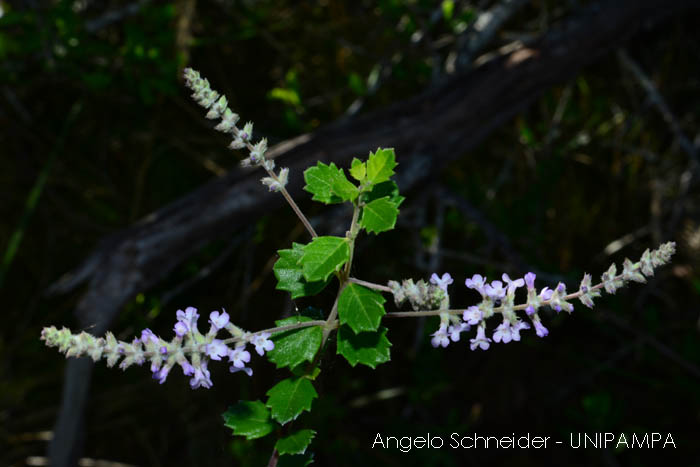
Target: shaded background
[[97, 132]]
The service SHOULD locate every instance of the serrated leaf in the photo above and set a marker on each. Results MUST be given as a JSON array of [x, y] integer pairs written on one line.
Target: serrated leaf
[[296, 443], [383, 189], [289, 274], [379, 215], [358, 170], [344, 189], [380, 165], [323, 256], [249, 418], [360, 308], [290, 397], [367, 348], [328, 184], [296, 346]]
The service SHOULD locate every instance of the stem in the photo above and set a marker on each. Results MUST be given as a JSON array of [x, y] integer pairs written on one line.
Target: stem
[[287, 327], [370, 285], [293, 205]]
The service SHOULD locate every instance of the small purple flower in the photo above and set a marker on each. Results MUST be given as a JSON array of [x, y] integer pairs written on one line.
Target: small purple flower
[[512, 285], [147, 335], [262, 343], [188, 318], [539, 328], [161, 374], [516, 328], [477, 283], [455, 330], [202, 377], [480, 340], [503, 333], [530, 280], [239, 357], [546, 293], [187, 367], [440, 337], [217, 349], [495, 290], [180, 329], [473, 315], [530, 310], [164, 350], [218, 320], [441, 282]]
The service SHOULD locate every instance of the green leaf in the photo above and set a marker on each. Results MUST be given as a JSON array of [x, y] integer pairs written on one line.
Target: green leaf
[[379, 215], [383, 189], [296, 443], [289, 274], [323, 256], [367, 348], [328, 184], [248, 418], [295, 346], [358, 170], [380, 165], [360, 308], [290, 397]]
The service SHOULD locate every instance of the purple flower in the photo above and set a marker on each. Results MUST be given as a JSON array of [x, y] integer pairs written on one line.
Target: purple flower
[[440, 337], [530, 280], [473, 315], [218, 320], [516, 328], [539, 328], [187, 367], [477, 283], [201, 377], [180, 329], [161, 374], [262, 343], [495, 290], [217, 349], [503, 333], [441, 282], [189, 319], [147, 335], [455, 330], [530, 310], [164, 350], [239, 357], [481, 340], [512, 285], [546, 293]]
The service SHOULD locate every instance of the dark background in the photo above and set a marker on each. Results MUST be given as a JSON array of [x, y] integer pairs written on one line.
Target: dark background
[[97, 131]]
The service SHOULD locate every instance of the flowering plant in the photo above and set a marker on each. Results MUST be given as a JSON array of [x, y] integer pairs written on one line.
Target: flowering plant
[[357, 313]]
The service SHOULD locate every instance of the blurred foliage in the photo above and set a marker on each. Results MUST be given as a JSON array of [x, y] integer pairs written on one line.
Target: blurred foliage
[[592, 161]]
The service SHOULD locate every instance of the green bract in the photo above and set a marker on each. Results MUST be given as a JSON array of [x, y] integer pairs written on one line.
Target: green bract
[[289, 274], [368, 348], [290, 397], [296, 443], [360, 308], [249, 418], [324, 256], [295, 346]]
